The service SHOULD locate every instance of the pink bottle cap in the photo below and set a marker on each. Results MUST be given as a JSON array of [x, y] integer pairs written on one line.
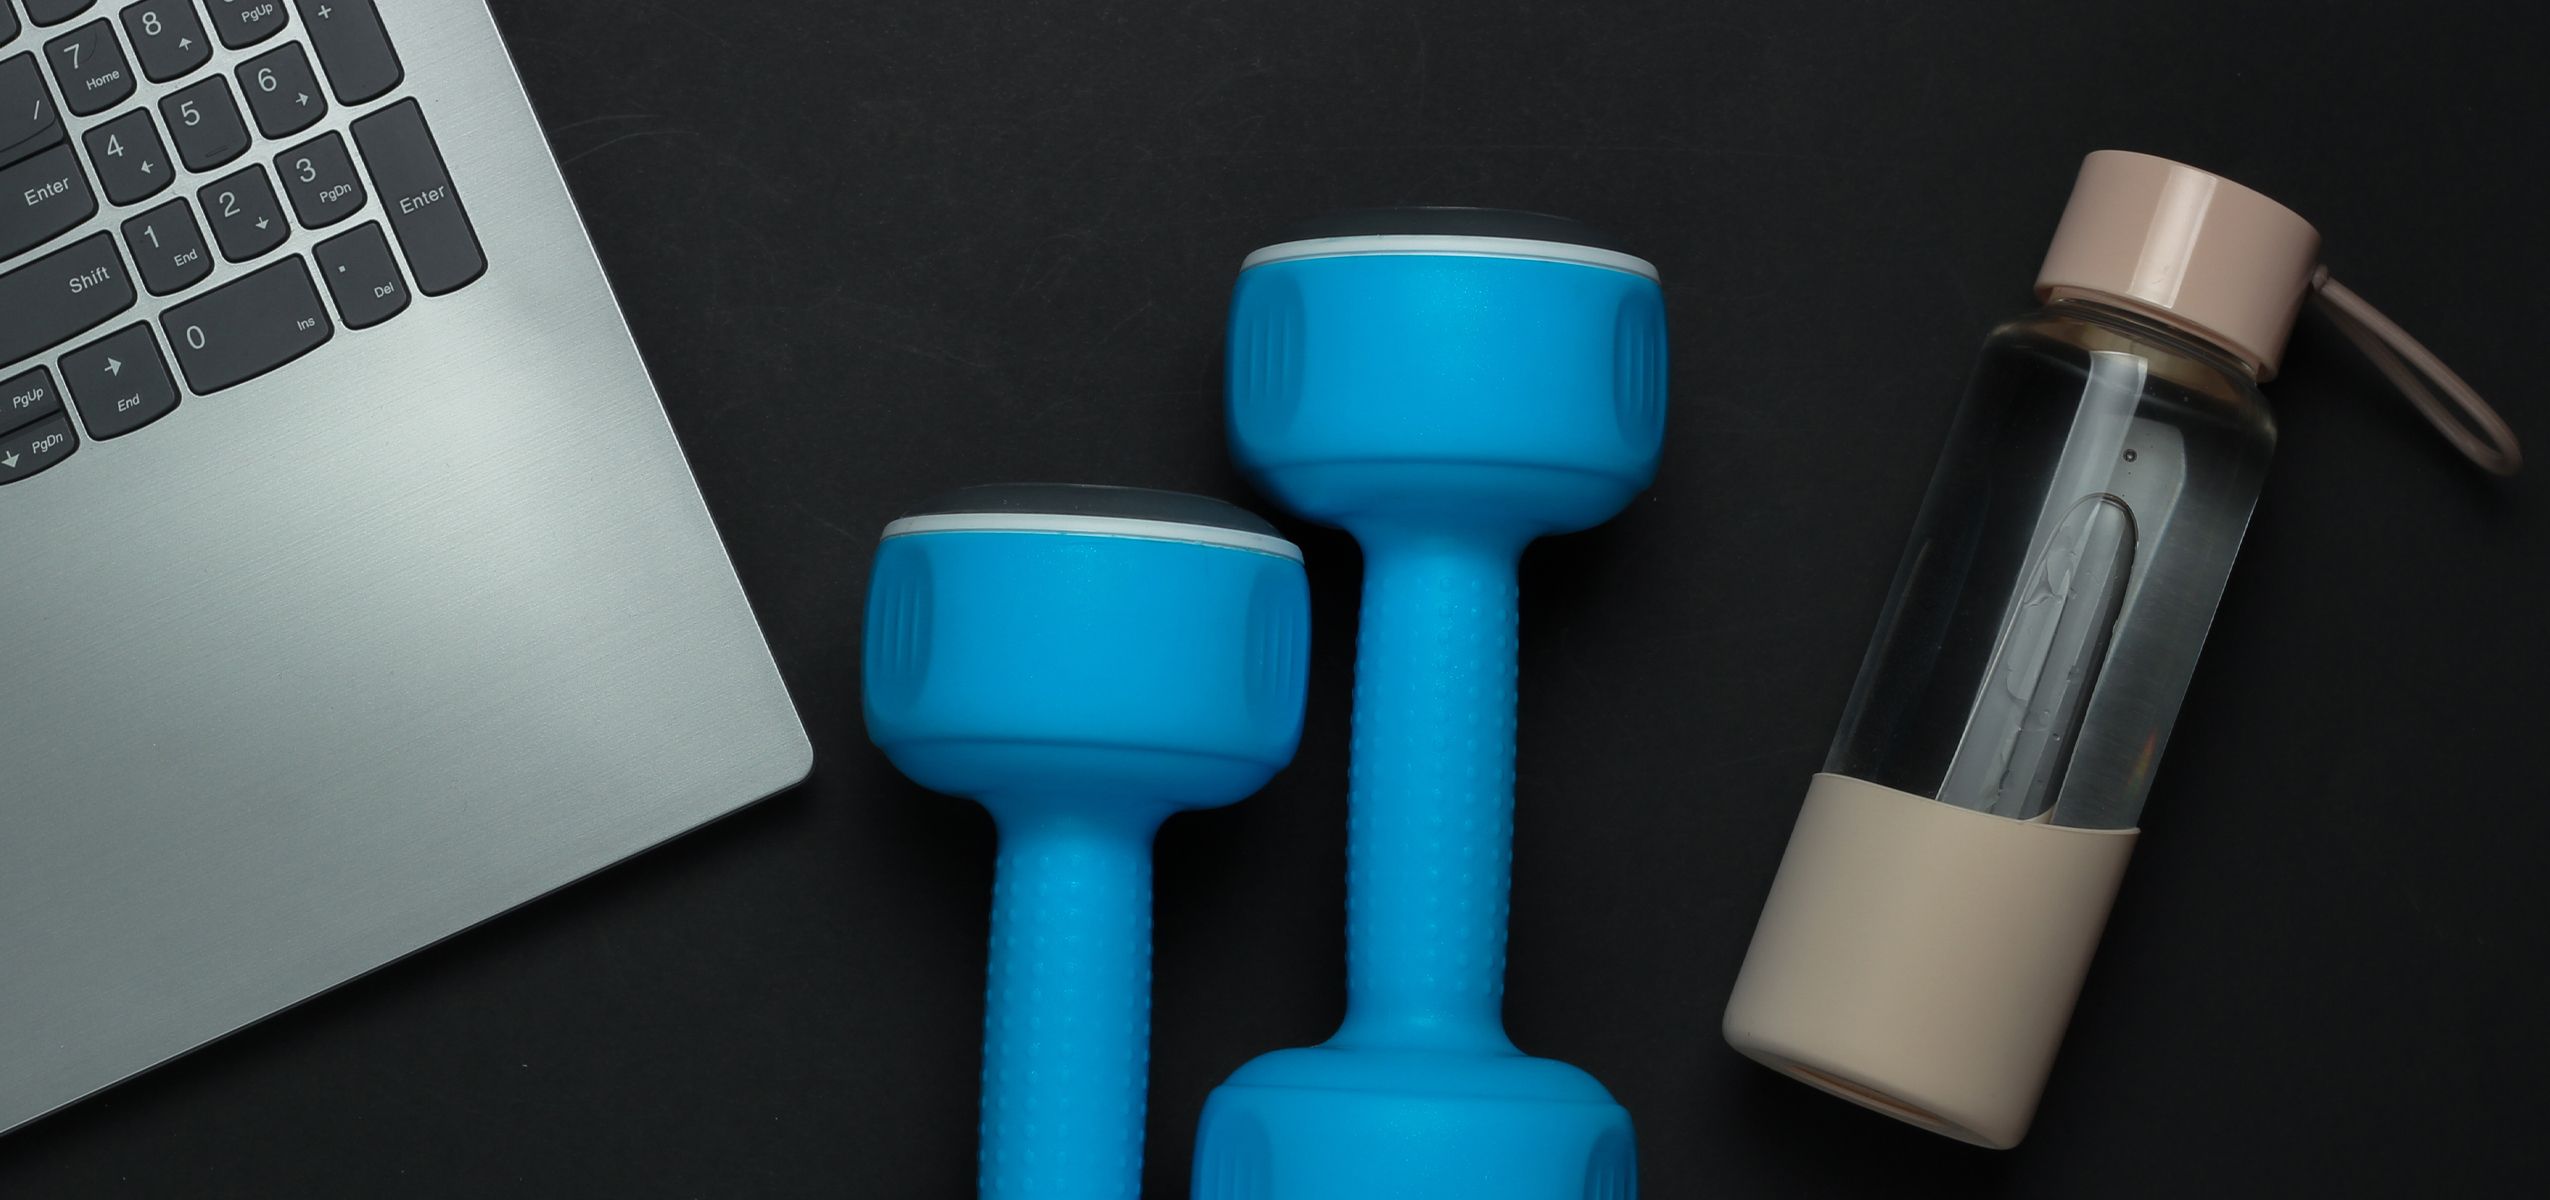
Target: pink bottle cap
[[2186, 247]]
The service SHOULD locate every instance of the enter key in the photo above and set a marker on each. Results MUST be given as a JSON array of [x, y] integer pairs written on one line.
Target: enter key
[[425, 211]]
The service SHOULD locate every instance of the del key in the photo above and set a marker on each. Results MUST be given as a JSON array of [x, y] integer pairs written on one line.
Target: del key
[[241, 330]]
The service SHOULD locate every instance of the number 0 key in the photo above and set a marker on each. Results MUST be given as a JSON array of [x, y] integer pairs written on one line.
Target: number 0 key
[[242, 330]]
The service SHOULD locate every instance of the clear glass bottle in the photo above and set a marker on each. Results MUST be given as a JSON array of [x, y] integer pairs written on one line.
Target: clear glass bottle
[[2047, 616], [1953, 866]]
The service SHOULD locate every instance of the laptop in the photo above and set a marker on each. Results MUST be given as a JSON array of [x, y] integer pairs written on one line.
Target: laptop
[[353, 589]]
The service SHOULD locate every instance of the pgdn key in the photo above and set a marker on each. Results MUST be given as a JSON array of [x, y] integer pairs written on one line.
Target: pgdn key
[[242, 330]]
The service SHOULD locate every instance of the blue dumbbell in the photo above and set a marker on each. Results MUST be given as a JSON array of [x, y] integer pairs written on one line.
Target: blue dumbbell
[[1084, 662], [1447, 385]]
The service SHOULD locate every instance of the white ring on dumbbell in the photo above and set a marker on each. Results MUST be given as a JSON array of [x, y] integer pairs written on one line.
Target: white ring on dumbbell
[[1132, 527], [1449, 245]]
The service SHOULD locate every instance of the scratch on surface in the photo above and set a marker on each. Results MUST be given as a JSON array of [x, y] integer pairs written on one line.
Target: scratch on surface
[[826, 522], [631, 136], [601, 119]]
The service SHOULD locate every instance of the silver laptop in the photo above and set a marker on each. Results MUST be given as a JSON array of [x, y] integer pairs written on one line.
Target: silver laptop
[[352, 587]]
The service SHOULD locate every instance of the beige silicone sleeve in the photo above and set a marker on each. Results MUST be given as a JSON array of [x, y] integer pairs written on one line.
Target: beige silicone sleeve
[[1921, 959]]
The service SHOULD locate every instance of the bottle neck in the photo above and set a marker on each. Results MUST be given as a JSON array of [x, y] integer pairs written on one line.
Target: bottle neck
[[2144, 324]]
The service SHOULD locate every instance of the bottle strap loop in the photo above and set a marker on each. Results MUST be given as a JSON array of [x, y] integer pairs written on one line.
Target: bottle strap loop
[[2458, 412]]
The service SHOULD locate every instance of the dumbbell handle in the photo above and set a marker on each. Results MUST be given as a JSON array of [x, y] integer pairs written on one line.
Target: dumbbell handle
[[1067, 1014], [1430, 841]]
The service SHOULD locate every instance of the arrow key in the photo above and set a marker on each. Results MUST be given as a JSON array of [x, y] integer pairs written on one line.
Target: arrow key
[[246, 217], [132, 162], [167, 37], [120, 382], [283, 92], [36, 447]]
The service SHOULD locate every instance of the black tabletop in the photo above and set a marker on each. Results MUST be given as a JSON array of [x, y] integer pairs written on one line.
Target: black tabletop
[[873, 252]]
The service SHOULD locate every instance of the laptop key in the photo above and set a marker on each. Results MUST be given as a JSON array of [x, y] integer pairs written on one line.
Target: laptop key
[[355, 49], [244, 23], [54, 12], [132, 163], [61, 296], [319, 177], [167, 37], [246, 218], [89, 64], [206, 123], [167, 248], [241, 330], [363, 276], [283, 92], [35, 448], [40, 198], [27, 399], [120, 382], [8, 24], [443, 254], [28, 120]]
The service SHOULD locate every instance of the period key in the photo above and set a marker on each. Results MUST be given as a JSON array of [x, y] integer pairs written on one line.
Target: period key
[[363, 276]]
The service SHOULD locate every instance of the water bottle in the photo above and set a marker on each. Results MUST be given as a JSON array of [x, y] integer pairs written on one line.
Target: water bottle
[[1953, 867]]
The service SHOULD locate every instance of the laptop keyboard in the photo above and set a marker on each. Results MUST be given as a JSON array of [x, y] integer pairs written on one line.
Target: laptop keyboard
[[196, 116]]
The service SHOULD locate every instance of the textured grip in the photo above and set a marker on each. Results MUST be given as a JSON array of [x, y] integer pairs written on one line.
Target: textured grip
[[1430, 835], [1067, 1016]]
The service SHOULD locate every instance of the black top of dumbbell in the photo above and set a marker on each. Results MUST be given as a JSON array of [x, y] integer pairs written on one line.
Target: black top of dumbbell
[[1096, 500], [1450, 222]]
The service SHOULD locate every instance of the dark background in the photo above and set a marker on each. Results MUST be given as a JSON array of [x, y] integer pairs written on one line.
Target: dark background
[[872, 251]]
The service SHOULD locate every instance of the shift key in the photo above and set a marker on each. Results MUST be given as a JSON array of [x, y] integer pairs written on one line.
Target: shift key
[[408, 175], [61, 295], [245, 328]]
